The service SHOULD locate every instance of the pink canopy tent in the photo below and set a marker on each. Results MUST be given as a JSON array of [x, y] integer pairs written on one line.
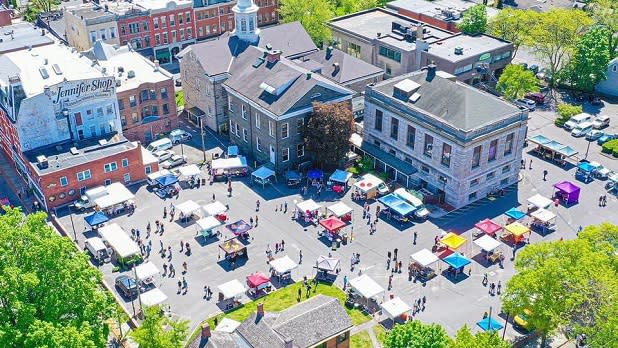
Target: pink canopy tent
[[332, 224], [257, 279], [488, 226], [568, 191]]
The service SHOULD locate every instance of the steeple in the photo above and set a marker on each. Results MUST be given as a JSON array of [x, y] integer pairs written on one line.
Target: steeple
[[245, 17]]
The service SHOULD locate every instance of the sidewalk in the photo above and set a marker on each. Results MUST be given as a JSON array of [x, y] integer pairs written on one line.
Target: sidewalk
[[13, 186]]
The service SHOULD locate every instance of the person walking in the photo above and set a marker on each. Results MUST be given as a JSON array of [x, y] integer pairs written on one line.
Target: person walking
[[256, 221], [414, 240], [530, 166], [257, 205], [182, 246], [395, 254], [390, 281], [213, 197], [164, 268], [184, 266], [345, 282], [285, 207], [499, 286], [523, 164], [251, 221], [485, 279], [164, 212], [179, 287], [300, 256], [184, 283], [172, 270], [545, 175], [600, 200]]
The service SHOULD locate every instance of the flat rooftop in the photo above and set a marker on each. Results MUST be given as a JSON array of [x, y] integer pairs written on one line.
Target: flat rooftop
[[367, 24], [162, 4], [60, 157], [435, 8], [90, 11], [20, 36], [472, 46]]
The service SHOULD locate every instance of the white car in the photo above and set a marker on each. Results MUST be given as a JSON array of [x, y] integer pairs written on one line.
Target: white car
[[174, 161], [163, 155], [594, 135], [600, 171], [576, 120], [526, 103], [600, 122], [582, 129]]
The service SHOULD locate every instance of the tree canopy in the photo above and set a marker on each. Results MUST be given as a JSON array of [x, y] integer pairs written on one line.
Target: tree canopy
[[516, 81], [605, 14], [327, 133], [36, 7], [159, 331], [49, 294], [474, 20], [513, 25], [588, 65], [466, 339], [415, 334], [313, 15], [344, 7]]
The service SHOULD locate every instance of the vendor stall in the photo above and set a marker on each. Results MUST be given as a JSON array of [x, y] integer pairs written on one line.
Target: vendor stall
[[395, 308], [233, 249], [332, 225], [308, 209], [120, 242], [419, 265], [513, 215], [488, 227], [145, 272], [263, 176], [190, 173], [544, 220], [207, 225], [259, 284], [293, 178], [365, 290], [456, 262], [584, 172], [420, 211], [339, 180], [152, 297], [187, 210], [96, 219], [116, 199], [396, 208], [490, 324], [230, 293], [229, 167], [166, 185], [325, 265], [370, 186], [341, 210], [453, 241], [489, 247], [315, 177], [282, 268], [538, 202], [567, 192], [239, 228], [216, 209], [515, 232]]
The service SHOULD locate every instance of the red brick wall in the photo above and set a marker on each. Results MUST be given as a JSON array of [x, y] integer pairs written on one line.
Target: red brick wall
[[450, 26], [8, 134], [126, 37], [169, 28]]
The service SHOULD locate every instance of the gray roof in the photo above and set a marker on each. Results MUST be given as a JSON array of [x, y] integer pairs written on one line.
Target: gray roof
[[350, 68], [258, 332], [217, 339], [298, 90], [433, 8], [453, 102], [472, 46], [215, 55], [21, 36]]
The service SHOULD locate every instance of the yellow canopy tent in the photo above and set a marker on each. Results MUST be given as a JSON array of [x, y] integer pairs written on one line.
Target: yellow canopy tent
[[453, 241], [517, 230]]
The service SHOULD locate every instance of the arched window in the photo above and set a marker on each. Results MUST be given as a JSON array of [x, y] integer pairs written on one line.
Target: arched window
[[243, 25], [252, 27]]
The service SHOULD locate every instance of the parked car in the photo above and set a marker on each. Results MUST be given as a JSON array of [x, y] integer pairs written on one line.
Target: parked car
[[527, 103], [606, 137], [537, 97], [178, 136], [582, 129], [174, 161], [126, 286], [595, 101], [534, 68], [163, 155], [521, 320], [601, 121], [600, 171], [594, 134], [577, 119]]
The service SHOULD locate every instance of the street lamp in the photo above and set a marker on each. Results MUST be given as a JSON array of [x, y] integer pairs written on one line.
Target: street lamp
[[587, 149], [71, 206], [202, 136]]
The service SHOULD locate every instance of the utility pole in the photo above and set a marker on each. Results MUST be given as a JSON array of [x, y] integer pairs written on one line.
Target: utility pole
[[202, 136]]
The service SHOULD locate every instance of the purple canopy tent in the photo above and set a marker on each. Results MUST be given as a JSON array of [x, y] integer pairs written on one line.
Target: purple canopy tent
[[568, 190]]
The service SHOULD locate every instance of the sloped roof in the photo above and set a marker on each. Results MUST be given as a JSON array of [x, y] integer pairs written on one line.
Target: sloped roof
[[349, 70], [258, 332]]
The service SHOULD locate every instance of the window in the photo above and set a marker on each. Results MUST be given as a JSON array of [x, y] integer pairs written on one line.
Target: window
[[472, 196], [284, 131], [144, 95], [134, 117], [93, 131], [126, 177], [153, 94], [103, 35], [258, 144], [493, 148], [476, 156], [163, 22], [506, 169], [394, 128], [156, 22], [237, 130], [490, 176], [110, 109], [508, 145], [188, 15], [165, 41], [300, 123], [107, 182], [172, 20], [200, 32], [354, 50], [90, 114], [258, 121], [166, 109], [78, 118], [446, 154], [134, 28], [244, 135], [390, 54], [230, 105], [99, 112], [110, 167], [148, 169], [64, 181], [271, 128], [112, 32], [180, 18], [157, 40], [475, 182], [164, 94], [285, 154], [341, 338], [125, 162], [173, 35], [300, 150], [145, 26], [504, 182], [463, 69], [182, 34], [428, 148], [411, 138], [243, 111], [132, 101], [93, 36], [425, 169], [85, 175], [378, 120]]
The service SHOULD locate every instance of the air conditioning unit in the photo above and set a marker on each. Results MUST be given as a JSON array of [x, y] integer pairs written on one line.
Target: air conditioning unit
[[42, 161]]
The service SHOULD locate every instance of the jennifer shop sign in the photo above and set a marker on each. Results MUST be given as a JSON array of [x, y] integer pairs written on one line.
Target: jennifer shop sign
[[77, 92]]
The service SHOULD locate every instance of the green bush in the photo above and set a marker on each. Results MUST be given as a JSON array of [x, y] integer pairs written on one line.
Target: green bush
[[610, 147], [565, 112]]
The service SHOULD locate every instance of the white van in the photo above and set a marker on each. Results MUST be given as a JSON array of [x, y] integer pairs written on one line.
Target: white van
[[161, 144], [152, 177], [97, 249], [577, 119], [582, 129]]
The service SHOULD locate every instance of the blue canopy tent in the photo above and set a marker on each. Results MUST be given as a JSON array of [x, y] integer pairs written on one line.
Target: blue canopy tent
[[340, 176], [403, 209], [584, 172], [96, 218], [515, 214], [232, 151], [390, 200], [262, 175], [457, 260], [315, 174], [398, 206], [293, 177], [167, 180], [539, 139], [490, 324]]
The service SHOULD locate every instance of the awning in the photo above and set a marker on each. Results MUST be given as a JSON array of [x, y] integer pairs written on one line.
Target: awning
[[388, 159], [153, 297], [490, 324], [554, 145], [195, 111], [332, 224], [365, 286], [567, 151], [263, 173], [340, 176], [308, 205], [339, 209], [315, 174], [540, 201], [517, 229], [515, 213], [457, 260], [167, 180], [407, 196], [543, 215], [328, 264], [453, 241], [187, 208], [116, 193], [256, 279], [146, 270], [163, 53], [395, 307], [283, 264], [190, 170], [539, 139], [232, 288], [96, 218], [214, 208], [488, 226], [424, 257], [586, 167], [566, 187], [239, 227], [487, 243], [293, 175], [119, 240], [208, 223]]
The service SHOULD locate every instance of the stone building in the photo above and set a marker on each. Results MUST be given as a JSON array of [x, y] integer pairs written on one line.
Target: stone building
[[88, 23]]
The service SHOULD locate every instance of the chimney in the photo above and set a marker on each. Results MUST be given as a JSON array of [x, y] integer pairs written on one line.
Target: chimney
[[309, 75], [289, 343], [156, 65], [260, 309], [273, 56], [420, 30], [336, 68], [329, 51], [431, 71], [379, 35], [206, 331]]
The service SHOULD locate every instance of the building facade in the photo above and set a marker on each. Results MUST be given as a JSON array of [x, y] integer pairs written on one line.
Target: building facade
[[87, 24], [464, 143]]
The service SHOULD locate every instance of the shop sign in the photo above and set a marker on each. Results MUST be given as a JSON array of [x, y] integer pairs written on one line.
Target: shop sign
[[74, 92]]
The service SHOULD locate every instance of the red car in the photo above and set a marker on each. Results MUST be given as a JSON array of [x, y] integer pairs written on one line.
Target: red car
[[539, 98]]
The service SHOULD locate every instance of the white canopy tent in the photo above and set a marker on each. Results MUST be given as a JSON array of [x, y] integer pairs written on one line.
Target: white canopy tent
[[153, 297], [116, 193], [208, 223], [368, 182], [395, 307], [232, 288], [328, 264], [283, 264], [543, 215], [215, 208], [339, 209], [540, 201], [146, 270], [188, 208], [487, 243], [227, 325], [119, 240], [189, 170], [227, 163], [366, 287], [424, 257], [308, 205]]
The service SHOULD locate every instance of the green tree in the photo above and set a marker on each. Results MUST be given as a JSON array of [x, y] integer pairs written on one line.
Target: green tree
[[516, 81], [344, 7], [555, 35], [415, 334], [588, 65], [565, 112], [50, 296], [159, 331], [466, 339], [328, 132], [605, 14], [36, 7], [513, 25], [313, 15], [474, 20]]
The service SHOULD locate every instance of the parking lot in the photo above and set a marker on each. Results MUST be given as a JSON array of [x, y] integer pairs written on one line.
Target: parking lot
[[449, 303]]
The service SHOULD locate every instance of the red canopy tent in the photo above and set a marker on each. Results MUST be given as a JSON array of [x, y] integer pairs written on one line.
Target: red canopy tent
[[256, 279], [488, 226], [332, 224]]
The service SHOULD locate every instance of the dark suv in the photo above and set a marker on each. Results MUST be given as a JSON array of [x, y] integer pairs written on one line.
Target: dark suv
[[126, 286]]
